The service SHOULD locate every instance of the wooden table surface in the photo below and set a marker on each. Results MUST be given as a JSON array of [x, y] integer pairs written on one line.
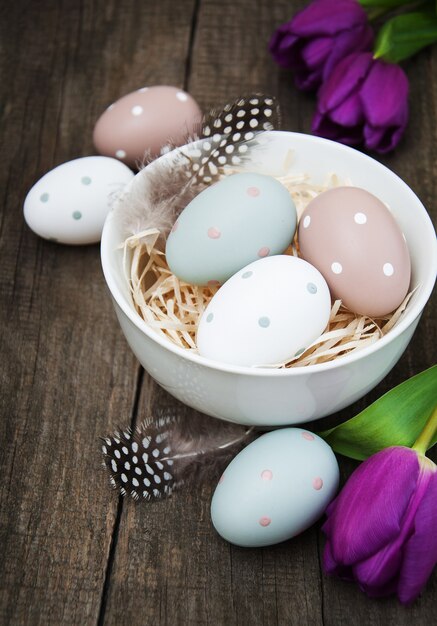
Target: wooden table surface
[[71, 551]]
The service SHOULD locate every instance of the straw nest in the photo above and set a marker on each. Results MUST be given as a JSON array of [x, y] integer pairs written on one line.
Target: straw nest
[[172, 308]]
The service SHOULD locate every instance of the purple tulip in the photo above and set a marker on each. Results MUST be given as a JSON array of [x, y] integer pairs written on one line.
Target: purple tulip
[[319, 36], [363, 101], [381, 528]]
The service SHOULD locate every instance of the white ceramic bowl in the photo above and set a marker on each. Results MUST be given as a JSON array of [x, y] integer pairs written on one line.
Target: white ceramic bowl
[[269, 397]]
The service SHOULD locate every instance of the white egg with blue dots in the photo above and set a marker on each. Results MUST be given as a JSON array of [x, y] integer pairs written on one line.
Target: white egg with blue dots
[[275, 488], [267, 313], [70, 203]]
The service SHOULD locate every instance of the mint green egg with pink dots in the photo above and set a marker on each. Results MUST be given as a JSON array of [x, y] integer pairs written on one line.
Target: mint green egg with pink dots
[[275, 488], [240, 219]]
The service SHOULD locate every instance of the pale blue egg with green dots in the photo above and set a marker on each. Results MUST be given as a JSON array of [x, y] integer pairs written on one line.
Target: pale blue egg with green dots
[[240, 219]]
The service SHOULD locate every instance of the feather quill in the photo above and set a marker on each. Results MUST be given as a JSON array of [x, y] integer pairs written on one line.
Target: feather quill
[[229, 134], [162, 455]]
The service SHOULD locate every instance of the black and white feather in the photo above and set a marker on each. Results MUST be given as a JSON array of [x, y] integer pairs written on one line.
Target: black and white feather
[[223, 141], [163, 455], [229, 134]]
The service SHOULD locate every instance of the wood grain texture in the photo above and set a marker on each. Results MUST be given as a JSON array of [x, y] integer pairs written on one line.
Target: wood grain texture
[[71, 551], [67, 374]]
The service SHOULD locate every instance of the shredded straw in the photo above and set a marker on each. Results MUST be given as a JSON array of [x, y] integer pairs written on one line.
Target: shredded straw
[[173, 308]]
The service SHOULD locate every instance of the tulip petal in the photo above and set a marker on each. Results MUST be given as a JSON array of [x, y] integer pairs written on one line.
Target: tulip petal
[[307, 59], [329, 511], [383, 140], [323, 126], [306, 81], [282, 47], [381, 569], [385, 101], [357, 39], [370, 508], [385, 95], [375, 136], [315, 51], [380, 592], [327, 17], [331, 567], [420, 551], [346, 78], [349, 112], [383, 566]]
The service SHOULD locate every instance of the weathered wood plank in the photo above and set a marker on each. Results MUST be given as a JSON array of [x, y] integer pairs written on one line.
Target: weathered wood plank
[[67, 375]]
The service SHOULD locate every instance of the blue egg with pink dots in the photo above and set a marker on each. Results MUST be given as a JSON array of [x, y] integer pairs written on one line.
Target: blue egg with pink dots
[[275, 488], [240, 219]]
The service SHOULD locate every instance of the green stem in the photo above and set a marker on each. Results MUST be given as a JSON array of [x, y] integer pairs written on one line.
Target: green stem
[[428, 432], [376, 12]]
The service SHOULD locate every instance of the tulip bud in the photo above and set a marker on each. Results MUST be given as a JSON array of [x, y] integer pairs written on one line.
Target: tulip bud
[[314, 41], [364, 100], [381, 528]]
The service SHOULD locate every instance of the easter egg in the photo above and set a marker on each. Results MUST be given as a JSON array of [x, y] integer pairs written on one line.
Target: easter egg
[[69, 204], [142, 122], [354, 241], [267, 313], [275, 488], [241, 218]]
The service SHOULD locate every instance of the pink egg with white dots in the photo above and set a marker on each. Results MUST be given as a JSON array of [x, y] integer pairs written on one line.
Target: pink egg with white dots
[[142, 123], [354, 241], [275, 488]]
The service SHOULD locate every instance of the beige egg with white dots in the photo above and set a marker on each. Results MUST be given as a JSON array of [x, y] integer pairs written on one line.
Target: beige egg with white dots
[[142, 123], [352, 238], [70, 203]]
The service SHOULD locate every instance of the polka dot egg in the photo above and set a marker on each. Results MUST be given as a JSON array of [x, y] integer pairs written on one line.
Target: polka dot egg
[[275, 488], [355, 242], [142, 122], [69, 204], [267, 313], [242, 218]]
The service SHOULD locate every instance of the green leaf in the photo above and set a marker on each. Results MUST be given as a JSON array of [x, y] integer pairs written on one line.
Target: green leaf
[[404, 35], [395, 419]]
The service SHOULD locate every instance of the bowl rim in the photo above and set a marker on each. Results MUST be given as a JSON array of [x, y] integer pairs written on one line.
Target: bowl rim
[[409, 317]]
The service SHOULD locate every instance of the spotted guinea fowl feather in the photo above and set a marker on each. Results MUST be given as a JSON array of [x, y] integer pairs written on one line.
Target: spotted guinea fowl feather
[[229, 134], [161, 455]]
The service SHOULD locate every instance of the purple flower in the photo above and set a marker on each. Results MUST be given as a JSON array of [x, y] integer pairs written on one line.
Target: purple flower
[[363, 101], [317, 37], [381, 528]]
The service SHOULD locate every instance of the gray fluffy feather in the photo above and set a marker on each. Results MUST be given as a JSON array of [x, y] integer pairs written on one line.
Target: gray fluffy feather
[[154, 200], [162, 455]]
